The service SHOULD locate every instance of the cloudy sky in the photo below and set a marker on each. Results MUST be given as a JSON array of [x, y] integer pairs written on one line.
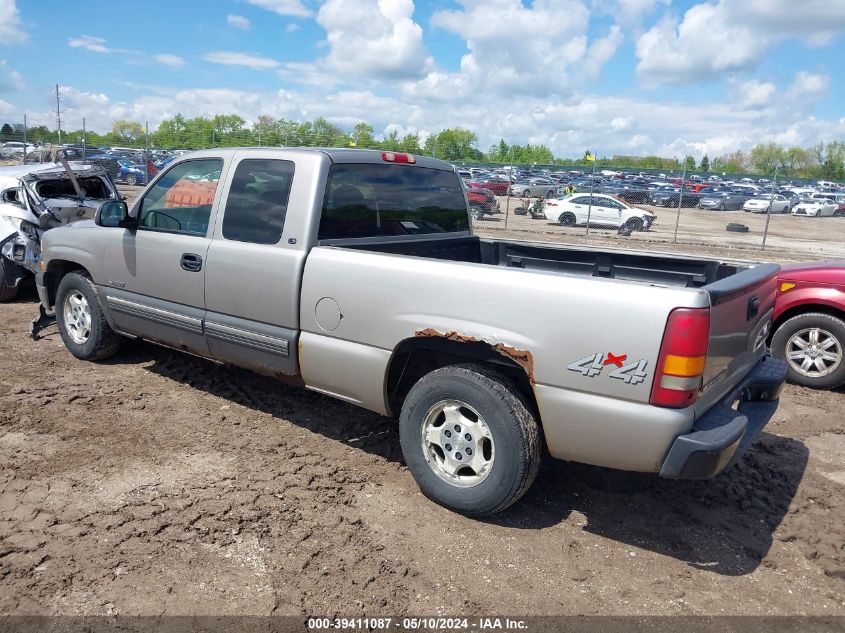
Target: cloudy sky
[[622, 76]]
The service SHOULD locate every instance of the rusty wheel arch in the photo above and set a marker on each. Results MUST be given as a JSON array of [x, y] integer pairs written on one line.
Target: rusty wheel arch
[[430, 349]]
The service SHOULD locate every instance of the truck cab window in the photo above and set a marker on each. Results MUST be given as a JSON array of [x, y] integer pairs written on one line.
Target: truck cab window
[[377, 200], [180, 201], [258, 201]]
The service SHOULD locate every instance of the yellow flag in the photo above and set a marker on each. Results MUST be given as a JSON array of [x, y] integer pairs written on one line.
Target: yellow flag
[[352, 143], [589, 156]]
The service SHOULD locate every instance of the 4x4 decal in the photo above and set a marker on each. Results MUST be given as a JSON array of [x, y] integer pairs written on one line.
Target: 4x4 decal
[[632, 373]]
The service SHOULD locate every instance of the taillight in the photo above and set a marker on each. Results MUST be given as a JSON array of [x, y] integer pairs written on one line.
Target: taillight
[[680, 366], [396, 157]]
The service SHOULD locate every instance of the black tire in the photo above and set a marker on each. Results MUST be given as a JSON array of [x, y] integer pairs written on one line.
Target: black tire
[[520, 210], [515, 434], [102, 342], [132, 179], [829, 323], [722, 207], [634, 224], [526, 193], [550, 193], [7, 293], [475, 212], [567, 219], [736, 227]]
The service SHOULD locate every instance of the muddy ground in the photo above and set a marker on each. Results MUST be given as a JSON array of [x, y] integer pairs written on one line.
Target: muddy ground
[[158, 483]]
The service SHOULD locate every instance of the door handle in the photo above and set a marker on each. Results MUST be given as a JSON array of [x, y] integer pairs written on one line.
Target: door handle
[[191, 262]]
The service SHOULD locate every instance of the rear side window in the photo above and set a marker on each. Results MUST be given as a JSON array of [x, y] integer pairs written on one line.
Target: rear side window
[[258, 201], [373, 200]]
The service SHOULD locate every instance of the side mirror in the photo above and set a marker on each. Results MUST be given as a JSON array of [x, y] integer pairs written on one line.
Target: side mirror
[[113, 213]]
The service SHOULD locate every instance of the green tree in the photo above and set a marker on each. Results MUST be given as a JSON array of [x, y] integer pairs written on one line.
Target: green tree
[[689, 163], [362, 135], [453, 144], [832, 165], [125, 131], [705, 164], [411, 144], [766, 158], [6, 131]]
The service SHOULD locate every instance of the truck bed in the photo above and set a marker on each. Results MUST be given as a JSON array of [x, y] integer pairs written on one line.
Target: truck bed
[[666, 270]]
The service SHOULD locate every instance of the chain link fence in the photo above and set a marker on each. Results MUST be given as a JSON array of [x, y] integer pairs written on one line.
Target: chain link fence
[[581, 202]]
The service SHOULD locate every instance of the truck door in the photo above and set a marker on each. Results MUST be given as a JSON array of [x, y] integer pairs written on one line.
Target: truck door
[[255, 265], [155, 275]]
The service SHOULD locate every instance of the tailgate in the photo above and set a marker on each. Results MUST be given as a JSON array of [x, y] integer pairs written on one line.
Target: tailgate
[[741, 308]]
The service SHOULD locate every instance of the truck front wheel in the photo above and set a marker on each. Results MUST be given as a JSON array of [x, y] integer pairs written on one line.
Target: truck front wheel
[[82, 324], [469, 439]]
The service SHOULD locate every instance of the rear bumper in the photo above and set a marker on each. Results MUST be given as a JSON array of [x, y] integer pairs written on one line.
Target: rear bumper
[[719, 437]]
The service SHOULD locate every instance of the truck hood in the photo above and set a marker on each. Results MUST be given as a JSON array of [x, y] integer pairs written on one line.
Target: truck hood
[[830, 272]]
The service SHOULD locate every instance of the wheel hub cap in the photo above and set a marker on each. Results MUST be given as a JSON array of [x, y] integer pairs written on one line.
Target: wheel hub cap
[[814, 352], [77, 317], [457, 443]]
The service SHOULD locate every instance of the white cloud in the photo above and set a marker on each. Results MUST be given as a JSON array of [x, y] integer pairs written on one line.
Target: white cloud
[[809, 86], [231, 58], [792, 16], [540, 49], [629, 12], [706, 42], [173, 61], [10, 79], [290, 28], [753, 94], [11, 31], [375, 39], [90, 43], [282, 7], [239, 22], [723, 36]]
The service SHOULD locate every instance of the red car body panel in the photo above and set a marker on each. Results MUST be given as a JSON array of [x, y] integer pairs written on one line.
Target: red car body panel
[[816, 284]]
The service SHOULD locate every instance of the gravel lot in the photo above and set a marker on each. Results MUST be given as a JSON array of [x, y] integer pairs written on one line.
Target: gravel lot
[[159, 483]]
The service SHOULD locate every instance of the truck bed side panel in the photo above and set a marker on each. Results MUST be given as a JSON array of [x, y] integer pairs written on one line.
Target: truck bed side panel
[[551, 320]]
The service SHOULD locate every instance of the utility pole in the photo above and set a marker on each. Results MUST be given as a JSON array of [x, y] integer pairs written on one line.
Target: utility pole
[[59, 113], [84, 140]]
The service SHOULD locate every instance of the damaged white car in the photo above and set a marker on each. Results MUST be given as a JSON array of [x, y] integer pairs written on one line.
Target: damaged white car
[[36, 198]]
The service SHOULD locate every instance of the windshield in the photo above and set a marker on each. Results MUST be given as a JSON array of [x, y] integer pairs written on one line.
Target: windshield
[[372, 200]]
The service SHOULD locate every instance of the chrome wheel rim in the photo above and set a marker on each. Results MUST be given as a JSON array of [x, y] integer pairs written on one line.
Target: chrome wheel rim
[[77, 317], [457, 443], [814, 352]]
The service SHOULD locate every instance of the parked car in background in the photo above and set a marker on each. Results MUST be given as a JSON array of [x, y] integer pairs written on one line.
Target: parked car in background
[[815, 207], [671, 196], [498, 186], [14, 149], [481, 201], [809, 323], [542, 187], [630, 193], [602, 210], [761, 204], [131, 173], [722, 201]]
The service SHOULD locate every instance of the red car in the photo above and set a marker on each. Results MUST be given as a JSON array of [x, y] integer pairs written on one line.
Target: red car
[[809, 323], [481, 202], [499, 186]]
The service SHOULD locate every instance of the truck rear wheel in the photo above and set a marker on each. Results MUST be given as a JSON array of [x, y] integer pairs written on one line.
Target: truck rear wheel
[[82, 324], [7, 293], [469, 439]]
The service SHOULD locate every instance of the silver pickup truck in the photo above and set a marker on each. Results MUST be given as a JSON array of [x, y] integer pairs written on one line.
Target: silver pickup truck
[[356, 274]]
